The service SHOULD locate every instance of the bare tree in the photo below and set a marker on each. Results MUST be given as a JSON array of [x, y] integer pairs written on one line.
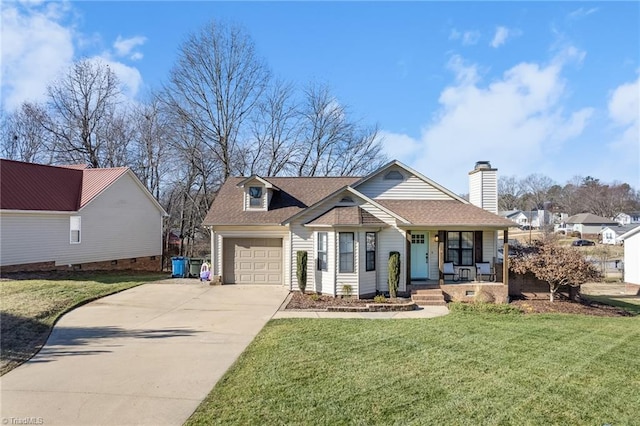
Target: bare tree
[[509, 193], [215, 85], [23, 136], [535, 188], [275, 128], [82, 106]]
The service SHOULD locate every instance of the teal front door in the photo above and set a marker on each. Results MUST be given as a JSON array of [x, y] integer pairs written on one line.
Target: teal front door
[[419, 256]]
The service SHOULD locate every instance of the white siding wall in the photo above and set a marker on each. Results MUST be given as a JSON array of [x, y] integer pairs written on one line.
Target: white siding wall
[[631, 256], [302, 239], [222, 232], [122, 222], [348, 278], [368, 279], [33, 238], [391, 239], [483, 190], [411, 187], [324, 280], [489, 246]]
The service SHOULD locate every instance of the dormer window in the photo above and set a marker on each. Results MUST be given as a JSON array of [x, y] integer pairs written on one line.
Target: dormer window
[[393, 175], [255, 197]]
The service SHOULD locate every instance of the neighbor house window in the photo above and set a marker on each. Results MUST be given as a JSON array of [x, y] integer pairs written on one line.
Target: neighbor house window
[[460, 248], [74, 229], [346, 252], [371, 251], [322, 251], [255, 196]]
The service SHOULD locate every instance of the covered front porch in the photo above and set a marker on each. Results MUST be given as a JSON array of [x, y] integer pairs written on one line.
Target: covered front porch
[[462, 263]]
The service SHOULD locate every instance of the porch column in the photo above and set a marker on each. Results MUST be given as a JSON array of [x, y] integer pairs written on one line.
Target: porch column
[[407, 266], [505, 258], [440, 258]]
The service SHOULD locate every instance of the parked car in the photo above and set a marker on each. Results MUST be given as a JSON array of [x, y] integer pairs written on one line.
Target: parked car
[[579, 243]]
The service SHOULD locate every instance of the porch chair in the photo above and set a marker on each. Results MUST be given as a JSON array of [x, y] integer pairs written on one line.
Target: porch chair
[[448, 269], [484, 269]]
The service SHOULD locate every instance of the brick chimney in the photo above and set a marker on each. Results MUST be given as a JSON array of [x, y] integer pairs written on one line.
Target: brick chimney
[[483, 186]]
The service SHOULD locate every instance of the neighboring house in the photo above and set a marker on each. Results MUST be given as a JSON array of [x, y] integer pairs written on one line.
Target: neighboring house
[[588, 224], [349, 225], [76, 217], [516, 216], [627, 218], [535, 218], [631, 255], [612, 234]]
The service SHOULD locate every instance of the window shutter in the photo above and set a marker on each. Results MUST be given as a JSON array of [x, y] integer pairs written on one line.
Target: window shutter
[[477, 245]]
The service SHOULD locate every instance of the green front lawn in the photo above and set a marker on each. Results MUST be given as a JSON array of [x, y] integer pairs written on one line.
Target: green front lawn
[[628, 303], [29, 308], [464, 368]]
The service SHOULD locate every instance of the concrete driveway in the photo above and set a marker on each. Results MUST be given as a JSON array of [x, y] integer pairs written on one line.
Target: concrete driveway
[[148, 355]]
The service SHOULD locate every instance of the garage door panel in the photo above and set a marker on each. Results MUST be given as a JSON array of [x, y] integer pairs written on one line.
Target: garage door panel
[[252, 260]]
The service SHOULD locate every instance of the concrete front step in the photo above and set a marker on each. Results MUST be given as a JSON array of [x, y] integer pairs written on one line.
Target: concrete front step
[[428, 297]]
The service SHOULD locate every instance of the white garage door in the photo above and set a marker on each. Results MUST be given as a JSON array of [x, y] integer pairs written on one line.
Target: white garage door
[[252, 261]]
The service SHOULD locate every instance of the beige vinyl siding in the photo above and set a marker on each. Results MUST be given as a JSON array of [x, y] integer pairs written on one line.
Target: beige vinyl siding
[[33, 237], [302, 240], [122, 222], [391, 239], [411, 188], [368, 281], [348, 278]]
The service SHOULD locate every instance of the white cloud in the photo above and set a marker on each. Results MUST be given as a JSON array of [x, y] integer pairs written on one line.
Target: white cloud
[[468, 38], [126, 46], [38, 44], [582, 12], [35, 48], [624, 112], [500, 36], [516, 121]]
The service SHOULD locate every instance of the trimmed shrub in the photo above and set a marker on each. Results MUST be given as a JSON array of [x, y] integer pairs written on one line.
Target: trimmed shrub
[[301, 270], [394, 273], [347, 290], [380, 299], [484, 308]]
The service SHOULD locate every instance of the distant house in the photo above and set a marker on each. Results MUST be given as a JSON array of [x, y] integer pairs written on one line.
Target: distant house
[[588, 224], [631, 255], [535, 218], [613, 234], [349, 226], [627, 218], [77, 217]]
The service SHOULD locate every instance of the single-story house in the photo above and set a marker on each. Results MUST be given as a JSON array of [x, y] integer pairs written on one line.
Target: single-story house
[[75, 217], [631, 255], [535, 218], [588, 223], [349, 226], [612, 234], [627, 218]]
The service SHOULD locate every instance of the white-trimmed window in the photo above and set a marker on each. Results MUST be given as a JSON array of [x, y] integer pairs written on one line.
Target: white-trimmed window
[[322, 252], [74, 229], [255, 196], [346, 252], [371, 251]]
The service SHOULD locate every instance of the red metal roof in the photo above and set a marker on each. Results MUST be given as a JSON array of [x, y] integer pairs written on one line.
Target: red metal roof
[[28, 186]]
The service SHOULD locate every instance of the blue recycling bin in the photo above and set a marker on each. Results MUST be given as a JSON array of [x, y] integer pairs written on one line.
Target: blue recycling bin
[[179, 267]]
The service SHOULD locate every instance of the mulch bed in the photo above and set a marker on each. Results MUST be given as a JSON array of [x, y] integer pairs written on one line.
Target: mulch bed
[[562, 306], [528, 306], [322, 302]]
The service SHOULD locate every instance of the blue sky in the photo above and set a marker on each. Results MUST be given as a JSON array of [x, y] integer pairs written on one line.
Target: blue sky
[[534, 87]]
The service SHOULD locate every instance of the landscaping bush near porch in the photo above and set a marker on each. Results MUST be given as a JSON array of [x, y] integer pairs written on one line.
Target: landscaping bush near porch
[[465, 368]]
